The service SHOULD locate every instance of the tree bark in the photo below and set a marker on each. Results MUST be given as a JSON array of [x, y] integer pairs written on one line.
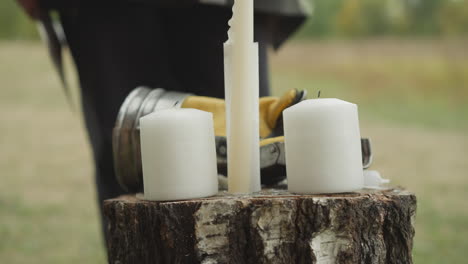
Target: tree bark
[[273, 226]]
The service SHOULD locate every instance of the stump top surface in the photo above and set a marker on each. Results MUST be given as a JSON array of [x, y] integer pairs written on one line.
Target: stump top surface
[[271, 194]]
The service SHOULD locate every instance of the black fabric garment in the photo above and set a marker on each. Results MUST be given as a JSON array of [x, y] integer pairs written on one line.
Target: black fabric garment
[[285, 16], [119, 48]]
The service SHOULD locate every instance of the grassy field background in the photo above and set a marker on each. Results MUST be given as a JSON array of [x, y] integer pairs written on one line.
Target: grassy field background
[[413, 99]]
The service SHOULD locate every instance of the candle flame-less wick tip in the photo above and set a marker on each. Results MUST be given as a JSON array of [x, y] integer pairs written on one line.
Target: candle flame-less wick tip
[[319, 93]]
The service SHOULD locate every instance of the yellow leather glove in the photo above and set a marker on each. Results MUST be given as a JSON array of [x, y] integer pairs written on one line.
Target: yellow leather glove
[[271, 109], [143, 101], [271, 131]]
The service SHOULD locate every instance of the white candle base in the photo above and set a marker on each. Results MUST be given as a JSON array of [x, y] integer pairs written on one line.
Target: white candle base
[[323, 147], [178, 155]]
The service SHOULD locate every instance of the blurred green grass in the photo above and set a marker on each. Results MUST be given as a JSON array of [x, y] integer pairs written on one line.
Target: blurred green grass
[[415, 82], [412, 96]]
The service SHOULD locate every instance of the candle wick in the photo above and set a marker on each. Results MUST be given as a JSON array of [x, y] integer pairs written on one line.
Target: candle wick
[[319, 93], [177, 102]]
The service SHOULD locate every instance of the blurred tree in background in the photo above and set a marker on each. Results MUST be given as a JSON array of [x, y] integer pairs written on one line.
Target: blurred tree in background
[[367, 18], [14, 24], [453, 17], [361, 18], [423, 15], [331, 18]]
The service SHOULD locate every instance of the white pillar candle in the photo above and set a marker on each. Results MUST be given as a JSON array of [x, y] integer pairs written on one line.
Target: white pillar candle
[[178, 154], [242, 95], [323, 147]]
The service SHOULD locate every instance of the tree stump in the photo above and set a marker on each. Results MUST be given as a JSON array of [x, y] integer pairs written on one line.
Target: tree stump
[[273, 226]]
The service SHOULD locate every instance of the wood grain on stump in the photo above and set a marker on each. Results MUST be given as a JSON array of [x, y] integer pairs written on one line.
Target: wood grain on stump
[[270, 227]]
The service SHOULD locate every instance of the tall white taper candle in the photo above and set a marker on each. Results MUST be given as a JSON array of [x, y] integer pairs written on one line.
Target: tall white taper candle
[[242, 94]]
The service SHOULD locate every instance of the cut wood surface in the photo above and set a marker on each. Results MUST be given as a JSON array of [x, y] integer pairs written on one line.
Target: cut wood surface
[[273, 226]]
